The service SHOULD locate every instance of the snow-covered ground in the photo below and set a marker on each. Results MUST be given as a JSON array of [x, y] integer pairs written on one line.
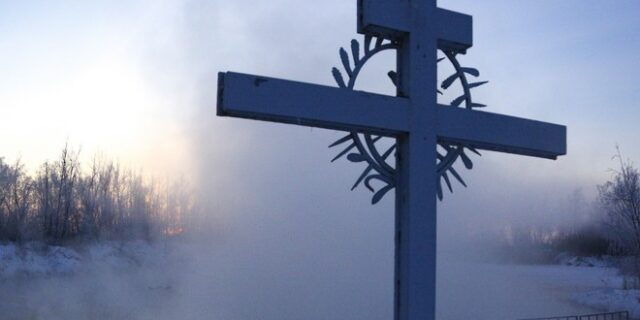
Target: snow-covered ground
[[610, 293], [107, 280], [36, 259], [569, 260], [609, 299], [136, 280]]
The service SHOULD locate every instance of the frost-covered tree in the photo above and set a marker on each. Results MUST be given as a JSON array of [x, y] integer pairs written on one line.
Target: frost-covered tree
[[620, 199], [61, 202], [4, 194], [15, 201]]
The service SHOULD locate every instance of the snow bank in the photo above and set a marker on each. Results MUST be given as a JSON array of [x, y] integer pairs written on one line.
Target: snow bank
[[611, 300], [597, 262], [37, 259], [121, 254], [608, 295]]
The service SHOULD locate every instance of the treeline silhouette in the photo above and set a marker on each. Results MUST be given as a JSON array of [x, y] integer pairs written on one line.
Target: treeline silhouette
[[609, 226], [62, 201]]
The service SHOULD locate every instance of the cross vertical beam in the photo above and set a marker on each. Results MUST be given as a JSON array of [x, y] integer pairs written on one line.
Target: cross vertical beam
[[390, 19], [415, 260]]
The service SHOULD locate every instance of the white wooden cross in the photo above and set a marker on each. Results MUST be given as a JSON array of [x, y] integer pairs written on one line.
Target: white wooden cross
[[413, 118]]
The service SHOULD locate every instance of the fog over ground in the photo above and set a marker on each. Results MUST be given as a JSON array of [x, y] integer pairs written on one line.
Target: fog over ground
[[325, 249], [544, 60], [286, 238]]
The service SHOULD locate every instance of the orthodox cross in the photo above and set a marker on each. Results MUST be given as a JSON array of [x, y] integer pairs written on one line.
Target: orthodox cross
[[429, 137]]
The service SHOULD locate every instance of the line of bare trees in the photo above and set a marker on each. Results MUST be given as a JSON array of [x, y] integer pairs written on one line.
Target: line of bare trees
[[62, 202]]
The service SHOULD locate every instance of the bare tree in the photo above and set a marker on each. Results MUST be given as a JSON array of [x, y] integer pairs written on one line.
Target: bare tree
[[60, 182], [4, 195], [15, 200], [620, 199], [61, 202]]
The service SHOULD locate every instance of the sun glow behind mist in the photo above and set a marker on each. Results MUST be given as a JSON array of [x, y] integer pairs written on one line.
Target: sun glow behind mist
[[78, 75]]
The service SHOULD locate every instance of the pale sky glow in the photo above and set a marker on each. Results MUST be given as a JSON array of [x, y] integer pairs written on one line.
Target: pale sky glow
[[77, 73]]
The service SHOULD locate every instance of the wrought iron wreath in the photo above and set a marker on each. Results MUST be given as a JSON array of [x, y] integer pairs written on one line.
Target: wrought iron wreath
[[361, 147]]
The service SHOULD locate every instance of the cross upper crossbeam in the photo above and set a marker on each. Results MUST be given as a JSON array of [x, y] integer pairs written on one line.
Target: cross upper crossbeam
[[263, 98], [391, 19]]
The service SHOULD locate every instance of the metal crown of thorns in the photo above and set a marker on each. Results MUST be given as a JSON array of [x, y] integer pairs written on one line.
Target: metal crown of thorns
[[361, 147]]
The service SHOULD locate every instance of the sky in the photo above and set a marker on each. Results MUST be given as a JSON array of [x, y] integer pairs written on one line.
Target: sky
[[80, 72], [136, 81]]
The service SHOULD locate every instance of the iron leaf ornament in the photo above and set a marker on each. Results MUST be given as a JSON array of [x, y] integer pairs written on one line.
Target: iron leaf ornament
[[373, 150]]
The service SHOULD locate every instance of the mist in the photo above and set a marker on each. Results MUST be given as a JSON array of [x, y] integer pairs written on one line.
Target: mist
[[279, 234], [315, 250]]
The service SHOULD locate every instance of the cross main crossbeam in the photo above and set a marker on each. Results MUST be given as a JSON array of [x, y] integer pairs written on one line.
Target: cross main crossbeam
[[497, 132], [262, 98], [270, 99]]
